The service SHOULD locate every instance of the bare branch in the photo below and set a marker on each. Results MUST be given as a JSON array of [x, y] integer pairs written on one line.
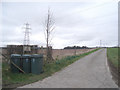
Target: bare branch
[[48, 29]]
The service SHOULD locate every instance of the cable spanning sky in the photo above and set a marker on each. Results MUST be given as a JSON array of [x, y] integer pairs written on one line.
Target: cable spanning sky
[[81, 23]]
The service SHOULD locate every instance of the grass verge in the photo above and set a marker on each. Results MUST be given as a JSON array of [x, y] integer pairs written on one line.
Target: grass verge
[[13, 80], [112, 54]]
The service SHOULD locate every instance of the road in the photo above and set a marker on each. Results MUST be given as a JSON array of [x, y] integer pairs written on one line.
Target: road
[[89, 72]]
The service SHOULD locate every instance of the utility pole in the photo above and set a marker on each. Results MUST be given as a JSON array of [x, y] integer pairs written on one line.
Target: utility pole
[[26, 43], [100, 42]]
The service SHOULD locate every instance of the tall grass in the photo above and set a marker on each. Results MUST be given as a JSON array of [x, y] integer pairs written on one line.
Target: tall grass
[[112, 54]]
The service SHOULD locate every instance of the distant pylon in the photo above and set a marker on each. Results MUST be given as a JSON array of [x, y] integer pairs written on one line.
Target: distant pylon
[[27, 31]]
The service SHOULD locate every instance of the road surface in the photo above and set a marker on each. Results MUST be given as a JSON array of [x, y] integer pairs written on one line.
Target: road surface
[[89, 72]]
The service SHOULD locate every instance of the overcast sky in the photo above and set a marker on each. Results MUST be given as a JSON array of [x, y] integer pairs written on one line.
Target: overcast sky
[[76, 23]]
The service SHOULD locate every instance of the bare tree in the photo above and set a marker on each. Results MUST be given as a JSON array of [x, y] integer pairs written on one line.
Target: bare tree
[[49, 27]]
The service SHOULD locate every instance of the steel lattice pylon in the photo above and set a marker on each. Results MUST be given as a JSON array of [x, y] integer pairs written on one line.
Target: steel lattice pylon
[[26, 46], [26, 37]]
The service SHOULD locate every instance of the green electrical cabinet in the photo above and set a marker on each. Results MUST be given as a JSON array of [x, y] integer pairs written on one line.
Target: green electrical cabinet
[[36, 63], [15, 58], [26, 60]]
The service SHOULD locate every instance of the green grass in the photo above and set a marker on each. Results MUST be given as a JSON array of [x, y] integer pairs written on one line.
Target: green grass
[[112, 54], [15, 79]]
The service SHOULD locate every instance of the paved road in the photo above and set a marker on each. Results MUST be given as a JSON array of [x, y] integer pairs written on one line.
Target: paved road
[[89, 72]]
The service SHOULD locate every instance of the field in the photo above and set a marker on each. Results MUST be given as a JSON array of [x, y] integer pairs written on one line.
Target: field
[[112, 54], [57, 53], [13, 80], [61, 53]]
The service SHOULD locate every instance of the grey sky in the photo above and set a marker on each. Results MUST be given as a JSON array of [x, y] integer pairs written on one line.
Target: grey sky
[[77, 23]]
